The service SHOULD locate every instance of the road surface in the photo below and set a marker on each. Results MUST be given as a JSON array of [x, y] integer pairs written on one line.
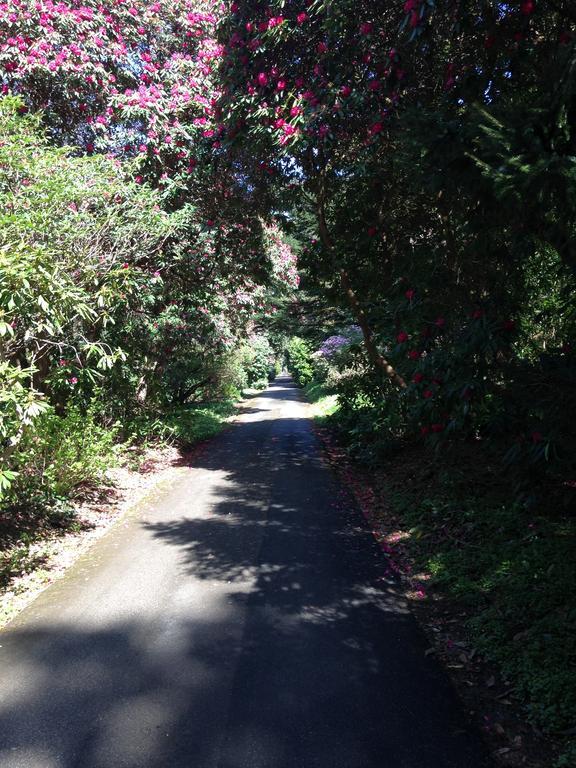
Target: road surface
[[241, 619]]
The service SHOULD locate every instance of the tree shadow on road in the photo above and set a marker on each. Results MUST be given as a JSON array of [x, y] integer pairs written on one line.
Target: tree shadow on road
[[306, 655]]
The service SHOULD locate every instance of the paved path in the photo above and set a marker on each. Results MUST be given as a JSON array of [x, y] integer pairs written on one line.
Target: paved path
[[240, 620]]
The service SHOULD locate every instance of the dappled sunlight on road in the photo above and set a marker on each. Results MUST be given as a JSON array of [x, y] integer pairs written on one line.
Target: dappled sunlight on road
[[244, 618]]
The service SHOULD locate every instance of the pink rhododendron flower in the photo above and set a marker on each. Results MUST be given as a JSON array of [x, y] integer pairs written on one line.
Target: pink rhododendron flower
[[528, 7]]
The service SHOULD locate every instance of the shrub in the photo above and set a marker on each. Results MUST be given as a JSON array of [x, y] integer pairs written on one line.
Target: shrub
[[63, 453], [299, 358], [258, 360]]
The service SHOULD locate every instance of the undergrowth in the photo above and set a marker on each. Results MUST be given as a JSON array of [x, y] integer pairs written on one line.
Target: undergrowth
[[514, 573]]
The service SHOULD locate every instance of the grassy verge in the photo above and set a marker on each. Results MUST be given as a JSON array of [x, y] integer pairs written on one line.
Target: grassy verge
[[324, 401], [185, 425]]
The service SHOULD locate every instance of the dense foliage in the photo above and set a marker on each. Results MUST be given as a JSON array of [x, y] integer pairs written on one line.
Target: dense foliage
[[428, 150], [113, 306]]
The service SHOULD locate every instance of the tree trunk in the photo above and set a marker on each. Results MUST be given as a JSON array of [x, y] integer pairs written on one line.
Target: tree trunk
[[372, 350], [376, 358]]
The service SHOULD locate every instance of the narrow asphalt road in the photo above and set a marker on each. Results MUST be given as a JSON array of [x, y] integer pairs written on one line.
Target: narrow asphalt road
[[239, 620]]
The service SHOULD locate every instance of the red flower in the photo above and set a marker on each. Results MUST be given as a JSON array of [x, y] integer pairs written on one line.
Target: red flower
[[477, 314], [414, 19], [402, 337], [418, 377], [410, 293], [509, 325], [262, 79], [322, 47], [125, 265], [437, 428], [301, 18], [527, 7], [366, 28], [424, 431], [414, 354], [427, 394], [345, 91], [372, 231]]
